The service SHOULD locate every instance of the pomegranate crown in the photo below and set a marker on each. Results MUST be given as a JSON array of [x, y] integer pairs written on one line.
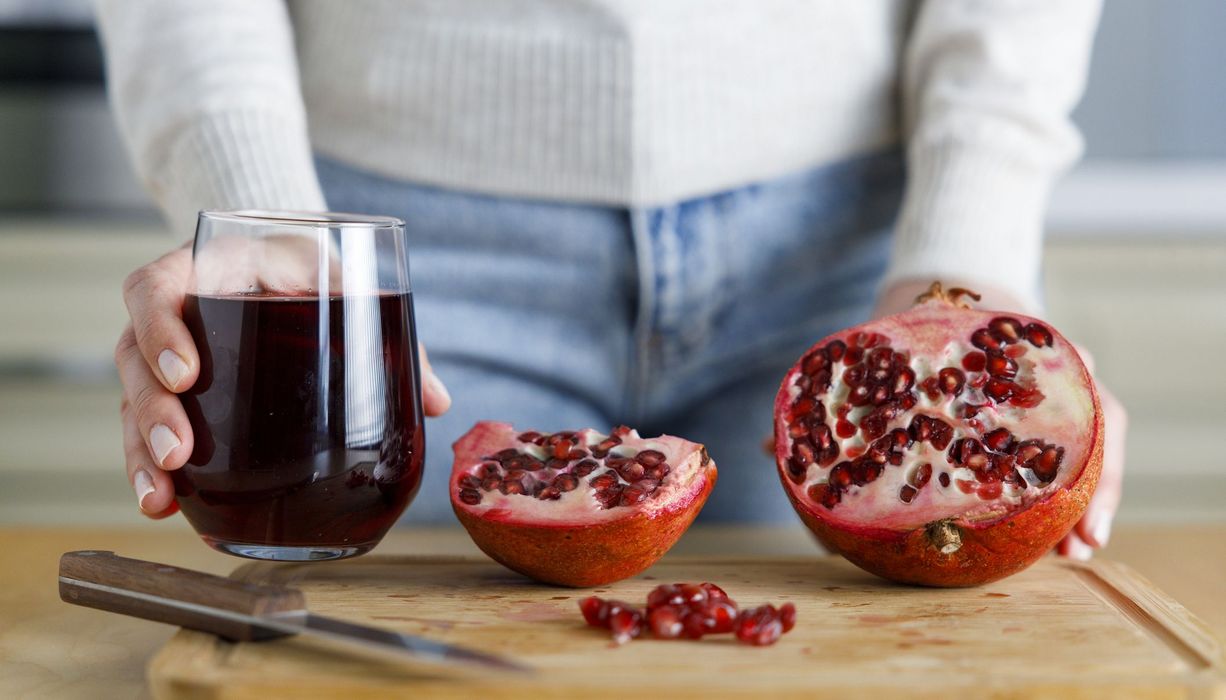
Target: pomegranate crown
[[952, 296]]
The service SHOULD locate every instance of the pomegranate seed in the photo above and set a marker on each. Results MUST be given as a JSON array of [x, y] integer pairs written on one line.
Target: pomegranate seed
[[610, 497], [1026, 451], [470, 496], [490, 483], [999, 389], [723, 614], [529, 436], [1048, 463], [511, 487], [835, 350], [621, 431], [974, 361], [817, 361], [802, 451], [880, 394], [999, 440], [881, 358], [823, 494], [856, 339], [966, 486], [696, 624], [632, 495], [1015, 351], [978, 381], [566, 483], [977, 461], [714, 592], [991, 490], [1039, 336], [840, 476], [468, 481], [1007, 328], [504, 455], [822, 437], [632, 472], [796, 471], [952, 380], [922, 475], [853, 356], [584, 468], [616, 462], [665, 622], [1026, 398], [760, 626], [904, 380], [665, 594], [984, 339], [853, 376], [858, 396], [693, 594], [1000, 366], [604, 481], [907, 493], [844, 429], [548, 493], [787, 616], [944, 480], [595, 611], [942, 434], [625, 624]]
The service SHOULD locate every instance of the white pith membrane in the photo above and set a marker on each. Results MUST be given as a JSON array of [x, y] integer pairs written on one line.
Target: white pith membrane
[[1064, 418], [579, 506]]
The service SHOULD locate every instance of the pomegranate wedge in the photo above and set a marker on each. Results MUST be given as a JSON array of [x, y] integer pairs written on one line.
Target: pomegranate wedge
[[577, 508]]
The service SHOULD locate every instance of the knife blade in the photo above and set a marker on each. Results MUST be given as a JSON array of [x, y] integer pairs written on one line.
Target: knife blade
[[243, 611]]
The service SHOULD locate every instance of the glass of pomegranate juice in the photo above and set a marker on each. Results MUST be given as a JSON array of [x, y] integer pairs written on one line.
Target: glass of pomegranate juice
[[307, 415]]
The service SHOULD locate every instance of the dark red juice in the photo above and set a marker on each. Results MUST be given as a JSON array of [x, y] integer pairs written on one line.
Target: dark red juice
[[307, 419]]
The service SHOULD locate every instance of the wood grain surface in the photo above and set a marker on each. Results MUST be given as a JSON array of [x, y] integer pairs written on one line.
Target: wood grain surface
[[49, 649], [1058, 629]]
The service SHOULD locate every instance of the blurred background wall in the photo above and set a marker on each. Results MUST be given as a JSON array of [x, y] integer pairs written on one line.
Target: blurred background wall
[[1135, 259]]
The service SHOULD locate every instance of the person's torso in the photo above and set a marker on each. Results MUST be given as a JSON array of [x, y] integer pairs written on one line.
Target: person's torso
[[615, 101]]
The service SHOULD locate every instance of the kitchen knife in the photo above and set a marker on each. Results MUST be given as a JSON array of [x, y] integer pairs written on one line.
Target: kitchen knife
[[242, 611]]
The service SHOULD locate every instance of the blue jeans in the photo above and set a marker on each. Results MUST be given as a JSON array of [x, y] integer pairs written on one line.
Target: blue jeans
[[678, 319]]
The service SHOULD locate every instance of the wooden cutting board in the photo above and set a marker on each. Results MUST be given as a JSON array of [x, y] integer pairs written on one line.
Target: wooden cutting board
[[1059, 629]]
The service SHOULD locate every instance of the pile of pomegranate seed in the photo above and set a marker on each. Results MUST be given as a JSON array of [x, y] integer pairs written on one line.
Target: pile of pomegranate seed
[[692, 611], [545, 466]]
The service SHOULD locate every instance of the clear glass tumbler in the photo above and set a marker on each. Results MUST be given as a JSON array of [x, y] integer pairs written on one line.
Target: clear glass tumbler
[[307, 414]]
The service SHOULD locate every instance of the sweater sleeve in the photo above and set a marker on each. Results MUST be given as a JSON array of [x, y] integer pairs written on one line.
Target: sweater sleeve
[[988, 87], [207, 99]]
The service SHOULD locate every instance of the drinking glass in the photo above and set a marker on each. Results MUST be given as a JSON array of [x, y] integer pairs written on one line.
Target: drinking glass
[[307, 414]]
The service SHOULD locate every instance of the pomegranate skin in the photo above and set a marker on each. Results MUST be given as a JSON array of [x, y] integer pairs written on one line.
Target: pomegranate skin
[[582, 554], [990, 550], [979, 548]]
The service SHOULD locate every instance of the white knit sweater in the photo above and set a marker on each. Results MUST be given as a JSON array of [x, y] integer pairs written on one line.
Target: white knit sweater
[[625, 102]]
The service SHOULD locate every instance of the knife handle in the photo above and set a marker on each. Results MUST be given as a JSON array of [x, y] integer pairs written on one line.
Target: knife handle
[[164, 593]]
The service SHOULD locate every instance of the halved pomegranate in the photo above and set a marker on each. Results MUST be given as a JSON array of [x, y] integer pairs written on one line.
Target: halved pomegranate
[[577, 508], [944, 446]]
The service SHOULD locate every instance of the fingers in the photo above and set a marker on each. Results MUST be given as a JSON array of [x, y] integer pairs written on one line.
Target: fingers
[[158, 416], [154, 297], [1095, 526], [152, 486], [434, 394], [1074, 548]]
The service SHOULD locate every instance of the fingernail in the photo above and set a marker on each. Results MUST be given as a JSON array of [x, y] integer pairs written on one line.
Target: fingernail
[[1079, 550], [162, 440], [436, 385], [1101, 530], [142, 484], [174, 369]]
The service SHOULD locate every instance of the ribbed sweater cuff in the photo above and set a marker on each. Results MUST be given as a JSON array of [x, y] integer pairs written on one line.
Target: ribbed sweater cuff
[[971, 214], [235, 160]]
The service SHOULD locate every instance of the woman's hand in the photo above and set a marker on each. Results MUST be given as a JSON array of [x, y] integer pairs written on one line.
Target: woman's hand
[[157, 359], [1094, 528]]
